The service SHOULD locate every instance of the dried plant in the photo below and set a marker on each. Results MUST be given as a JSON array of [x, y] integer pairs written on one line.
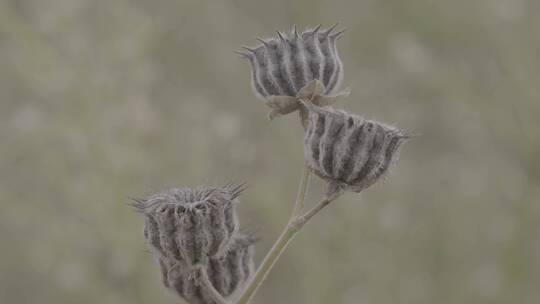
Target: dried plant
[[348, 151], [284, 69], [194, 233]]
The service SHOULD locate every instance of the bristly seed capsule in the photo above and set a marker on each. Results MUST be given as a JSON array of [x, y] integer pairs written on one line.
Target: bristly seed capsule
[[349, 152], [193, 230], [191, 224], [283, 66], [227, 274]]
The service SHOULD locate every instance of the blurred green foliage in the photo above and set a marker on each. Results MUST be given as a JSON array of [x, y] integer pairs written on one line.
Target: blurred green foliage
[[105, 100]]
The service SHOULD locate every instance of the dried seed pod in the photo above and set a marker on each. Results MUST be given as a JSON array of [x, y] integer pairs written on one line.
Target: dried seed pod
[[184, 281], [284, 65], [281, 67], [191, 225], [348, 151], [227, 274]]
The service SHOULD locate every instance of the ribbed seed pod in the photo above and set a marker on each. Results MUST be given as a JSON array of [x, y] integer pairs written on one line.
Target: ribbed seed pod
[[227, 274], [348, 151], [283, 66], [179, 278], [191, 225]]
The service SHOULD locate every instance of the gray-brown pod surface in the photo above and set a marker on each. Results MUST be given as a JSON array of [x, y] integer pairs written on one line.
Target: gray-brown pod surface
[[227, 274], [348, 151], [191, 225], [284, 64]]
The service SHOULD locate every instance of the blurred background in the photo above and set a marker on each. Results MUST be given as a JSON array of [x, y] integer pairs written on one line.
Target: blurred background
[[101, 101]]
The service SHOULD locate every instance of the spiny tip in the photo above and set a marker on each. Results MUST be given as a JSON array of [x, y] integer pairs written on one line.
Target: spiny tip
[[295, 32], [281, 37], [338, 35], [264, 42], [408, 134], [328, 31], [137, 203], [249, 49], [312, 33], [236, 189], [241, 54]]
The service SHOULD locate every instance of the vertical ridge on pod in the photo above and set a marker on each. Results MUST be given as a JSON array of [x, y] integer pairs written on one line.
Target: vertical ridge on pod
[[194, 230], [284, 65], [348, 150]]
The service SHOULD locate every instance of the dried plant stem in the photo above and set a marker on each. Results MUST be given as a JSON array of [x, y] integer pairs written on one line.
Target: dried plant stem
[[295, 224], [267, 264], [302, 220], [302, 191]]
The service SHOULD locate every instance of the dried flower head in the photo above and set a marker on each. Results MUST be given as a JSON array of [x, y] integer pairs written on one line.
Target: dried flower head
[[227, 274], [283, 66], [191, 225], [350, 152]]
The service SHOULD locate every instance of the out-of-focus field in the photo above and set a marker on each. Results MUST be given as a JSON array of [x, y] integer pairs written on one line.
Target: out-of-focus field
[[105, 100]]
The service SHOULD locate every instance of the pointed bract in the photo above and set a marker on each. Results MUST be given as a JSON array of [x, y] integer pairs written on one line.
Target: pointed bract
[[281, 37], [329, 30]]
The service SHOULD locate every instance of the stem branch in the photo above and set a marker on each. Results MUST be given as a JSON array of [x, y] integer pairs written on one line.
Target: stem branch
[[302, 191], [302, 220], [267, 264], [295, 224]]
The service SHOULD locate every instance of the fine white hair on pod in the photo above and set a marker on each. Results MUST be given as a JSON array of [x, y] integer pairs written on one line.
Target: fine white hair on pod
[[347, 150], [282, 65]]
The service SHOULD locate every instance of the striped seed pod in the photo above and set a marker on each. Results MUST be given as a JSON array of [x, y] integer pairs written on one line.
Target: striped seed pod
[[284, 65], [349, 152], [227, 274], [180, 278], [191, 225], [230, 273]]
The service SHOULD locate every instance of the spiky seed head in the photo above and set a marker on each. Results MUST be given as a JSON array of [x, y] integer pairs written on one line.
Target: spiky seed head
[[191, 225], [227, 274], [283, 65], [348, 151]]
